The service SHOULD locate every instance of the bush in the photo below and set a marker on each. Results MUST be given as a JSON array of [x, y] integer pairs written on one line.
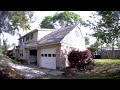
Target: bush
[[16, 61], [1, 54], [77, 58]]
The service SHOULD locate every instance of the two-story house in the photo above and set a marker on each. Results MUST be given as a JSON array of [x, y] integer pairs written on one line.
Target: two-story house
[[48, 48], [29, 38]]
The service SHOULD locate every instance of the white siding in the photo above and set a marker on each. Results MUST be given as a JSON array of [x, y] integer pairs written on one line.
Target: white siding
[[74, 39], [42, 33], [35, 35]]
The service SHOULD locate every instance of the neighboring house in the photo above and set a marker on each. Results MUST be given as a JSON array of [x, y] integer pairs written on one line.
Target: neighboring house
[[48, 48]]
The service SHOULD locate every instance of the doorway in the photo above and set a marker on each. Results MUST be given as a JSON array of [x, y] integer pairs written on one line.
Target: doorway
[[33, 57]]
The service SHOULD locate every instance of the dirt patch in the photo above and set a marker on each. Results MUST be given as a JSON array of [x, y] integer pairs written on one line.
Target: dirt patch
[[7, 72]]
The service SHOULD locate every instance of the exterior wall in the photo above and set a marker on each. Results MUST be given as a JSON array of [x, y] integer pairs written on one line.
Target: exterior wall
[[17, 53], [74, 39], [27, 56], [59, 61], [35, 35], [38, 57], [64, 54], [22, 51], [42, 33]]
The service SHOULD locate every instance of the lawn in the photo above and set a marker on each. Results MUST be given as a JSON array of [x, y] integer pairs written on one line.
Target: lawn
[[104, 69]]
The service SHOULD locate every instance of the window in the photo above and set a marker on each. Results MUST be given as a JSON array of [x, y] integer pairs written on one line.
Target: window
[[27, 38], [31, 36], [20, 40], [23, 39], [49, 55], [42, 55], [45, 55], [54, 55], [77, 34]]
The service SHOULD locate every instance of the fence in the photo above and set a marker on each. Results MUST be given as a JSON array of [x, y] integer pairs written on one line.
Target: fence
[[109, 54]]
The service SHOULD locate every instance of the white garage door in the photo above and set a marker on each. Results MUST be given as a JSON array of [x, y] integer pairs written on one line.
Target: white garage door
[[48, 58]]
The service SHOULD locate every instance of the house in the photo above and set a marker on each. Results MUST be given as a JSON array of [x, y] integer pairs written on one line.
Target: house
[[48, 48]]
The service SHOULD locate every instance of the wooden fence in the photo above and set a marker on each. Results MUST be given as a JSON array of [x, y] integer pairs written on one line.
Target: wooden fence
[[108, 54]]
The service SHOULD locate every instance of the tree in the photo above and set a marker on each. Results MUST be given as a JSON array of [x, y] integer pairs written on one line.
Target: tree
[[46, 23], [118, 43], [107, 28], [93, 47], [12, 21], [62, 19], [87, 42]]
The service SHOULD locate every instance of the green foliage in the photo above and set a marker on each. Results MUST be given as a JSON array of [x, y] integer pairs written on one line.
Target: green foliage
[[46, 23], [107, 27], [118, 43], [87, 42], [12, 21], [1, 54], [15, 61], [62, 19], [94, 47]]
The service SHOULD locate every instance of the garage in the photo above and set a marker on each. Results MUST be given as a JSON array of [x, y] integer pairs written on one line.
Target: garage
[[48, 58], [33, 57]]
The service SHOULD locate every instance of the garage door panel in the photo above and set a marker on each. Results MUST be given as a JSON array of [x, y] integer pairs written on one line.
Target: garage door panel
[[48, 58]]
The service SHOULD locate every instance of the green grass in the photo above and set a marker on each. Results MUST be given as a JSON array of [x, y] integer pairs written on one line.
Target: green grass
[[1, 54], [104, 69], [15, 61]]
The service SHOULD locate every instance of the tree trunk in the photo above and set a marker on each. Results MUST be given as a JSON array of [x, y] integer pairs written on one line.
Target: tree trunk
[[113, 54], [107, 52]]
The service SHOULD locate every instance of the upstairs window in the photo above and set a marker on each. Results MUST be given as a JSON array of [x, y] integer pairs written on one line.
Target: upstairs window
[[23, 39], [27, 38], [77, 34], [31, 36], [20, 40]]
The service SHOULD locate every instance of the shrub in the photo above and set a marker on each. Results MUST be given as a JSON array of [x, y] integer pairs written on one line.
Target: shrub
[[77, 58], [15, 61], [1, 54]]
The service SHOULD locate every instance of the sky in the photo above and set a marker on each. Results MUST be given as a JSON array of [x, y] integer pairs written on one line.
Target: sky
[[39, 15]]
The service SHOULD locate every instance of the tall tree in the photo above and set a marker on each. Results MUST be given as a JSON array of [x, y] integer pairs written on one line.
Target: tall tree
[[62, 19], [107, 27], [12, 21], [46, 23], [118, 43]]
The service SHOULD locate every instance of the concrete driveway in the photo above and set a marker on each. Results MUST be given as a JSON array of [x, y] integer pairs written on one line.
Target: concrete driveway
[[30, 72]]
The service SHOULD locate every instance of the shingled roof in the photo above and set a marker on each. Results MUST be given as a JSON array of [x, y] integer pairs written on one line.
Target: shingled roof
[[54, 37]]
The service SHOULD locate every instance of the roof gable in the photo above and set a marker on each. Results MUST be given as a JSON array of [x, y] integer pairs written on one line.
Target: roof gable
[[56, 36]]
